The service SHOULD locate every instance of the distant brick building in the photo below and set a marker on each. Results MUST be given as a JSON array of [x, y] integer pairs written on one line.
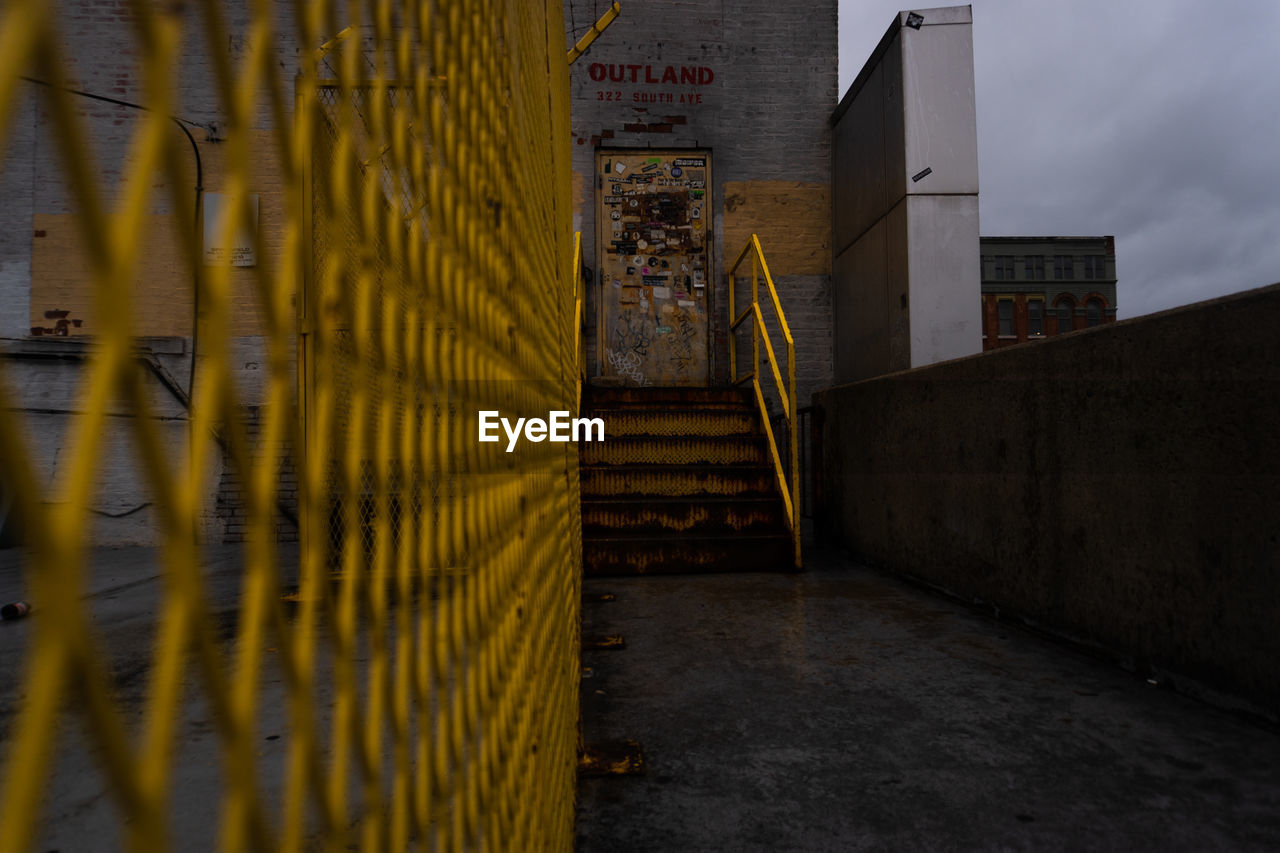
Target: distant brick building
[[1034, 287]]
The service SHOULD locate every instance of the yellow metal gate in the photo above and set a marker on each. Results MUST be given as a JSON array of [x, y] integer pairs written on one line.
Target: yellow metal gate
[[424, 651]]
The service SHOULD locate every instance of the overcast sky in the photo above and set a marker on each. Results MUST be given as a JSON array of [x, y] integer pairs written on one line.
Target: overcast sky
[[1157, 121]]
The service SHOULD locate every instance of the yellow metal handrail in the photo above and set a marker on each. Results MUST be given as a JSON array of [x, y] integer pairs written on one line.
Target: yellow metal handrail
[[788, 485], [597, 29]]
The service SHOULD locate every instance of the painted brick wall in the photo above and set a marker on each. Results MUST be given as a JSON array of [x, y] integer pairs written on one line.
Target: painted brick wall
[[46, 379], [16, 188], [763, 117], [230, 508], [163, 281], [45, 275]]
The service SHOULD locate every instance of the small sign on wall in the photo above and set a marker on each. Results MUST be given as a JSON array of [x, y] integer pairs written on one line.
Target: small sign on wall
[[241, 250]]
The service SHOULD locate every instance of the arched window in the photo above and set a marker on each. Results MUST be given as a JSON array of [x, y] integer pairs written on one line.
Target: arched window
[[1066, 309], [1093, 313]]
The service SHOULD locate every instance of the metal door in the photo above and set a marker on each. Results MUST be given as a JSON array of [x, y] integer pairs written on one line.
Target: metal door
[[653, 216]]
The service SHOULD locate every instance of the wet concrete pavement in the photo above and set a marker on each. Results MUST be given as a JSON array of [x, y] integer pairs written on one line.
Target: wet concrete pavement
[[123, 592], [842, 709], [838, 709]]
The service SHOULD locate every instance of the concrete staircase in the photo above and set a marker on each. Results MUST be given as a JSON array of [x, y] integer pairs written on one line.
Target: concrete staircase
[[683, 482]]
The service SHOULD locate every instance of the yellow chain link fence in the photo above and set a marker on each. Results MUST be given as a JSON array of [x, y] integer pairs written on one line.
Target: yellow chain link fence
[[420, 649]]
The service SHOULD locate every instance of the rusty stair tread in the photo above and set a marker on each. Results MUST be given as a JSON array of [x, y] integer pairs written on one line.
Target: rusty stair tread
[[679, 405], [617, 428], [717, 468], [692, 489], [779, 535], [633, 406], [678, 518], [686, 554], [608, 412], [675, 490], [680, 499], [732, 438], [664, 450], [659, 479], [656, 391]]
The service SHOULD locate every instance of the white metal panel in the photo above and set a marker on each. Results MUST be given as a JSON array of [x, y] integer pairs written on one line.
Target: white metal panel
[[940, 119], [897, 284], [894, 162], [945, 274]]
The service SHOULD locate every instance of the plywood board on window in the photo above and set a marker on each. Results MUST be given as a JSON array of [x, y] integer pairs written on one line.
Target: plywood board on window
[[791, 218]]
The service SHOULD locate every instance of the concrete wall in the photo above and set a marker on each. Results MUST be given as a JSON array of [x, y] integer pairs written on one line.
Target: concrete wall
[[763, 117], [905, 212], [1118, 485]]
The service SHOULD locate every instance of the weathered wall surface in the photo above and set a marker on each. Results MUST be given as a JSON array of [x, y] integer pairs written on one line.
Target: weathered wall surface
[[61, 278], [905, 190], [51, 391], [46, 283], [753, 84], [1117, 485], [17, 160]]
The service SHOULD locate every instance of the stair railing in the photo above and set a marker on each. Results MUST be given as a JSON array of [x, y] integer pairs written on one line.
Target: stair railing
[[789, 486]]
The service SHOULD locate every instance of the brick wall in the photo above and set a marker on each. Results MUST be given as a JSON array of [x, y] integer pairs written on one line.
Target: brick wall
[[46, 382], [61, 284], [231, 502], [45, 276], [763, 118], [1050, 324], [17, 190]]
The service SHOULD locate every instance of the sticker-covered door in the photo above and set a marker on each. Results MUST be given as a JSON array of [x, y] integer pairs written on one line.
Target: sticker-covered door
[[654, 219]]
